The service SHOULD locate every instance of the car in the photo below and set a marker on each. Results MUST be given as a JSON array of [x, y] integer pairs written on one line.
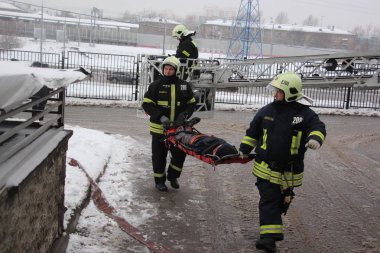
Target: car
[[120, 77]]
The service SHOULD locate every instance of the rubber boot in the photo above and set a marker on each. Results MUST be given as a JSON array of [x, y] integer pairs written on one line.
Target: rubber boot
[[161, 187], [174, 183], [268, 244]]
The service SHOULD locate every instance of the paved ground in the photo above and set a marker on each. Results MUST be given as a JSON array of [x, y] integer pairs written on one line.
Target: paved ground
[[336, 210]]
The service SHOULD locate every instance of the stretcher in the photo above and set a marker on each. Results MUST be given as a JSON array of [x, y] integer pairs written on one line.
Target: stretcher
[[207, 148]]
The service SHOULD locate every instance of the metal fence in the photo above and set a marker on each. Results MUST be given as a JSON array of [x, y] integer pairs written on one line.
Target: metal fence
[[344, 97], [50, 60], [113, 76], [124, 77]]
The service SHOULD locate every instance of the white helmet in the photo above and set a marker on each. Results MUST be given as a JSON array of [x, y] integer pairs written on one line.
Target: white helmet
[[179, 31], [172, 61], [290, 83]]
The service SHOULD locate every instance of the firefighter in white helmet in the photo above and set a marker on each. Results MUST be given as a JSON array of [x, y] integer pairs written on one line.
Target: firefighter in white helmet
[[168, 100], [187, 50], [280, 133]]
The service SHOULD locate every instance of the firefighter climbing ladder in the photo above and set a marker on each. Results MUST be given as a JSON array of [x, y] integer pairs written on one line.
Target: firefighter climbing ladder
[[328, 70]]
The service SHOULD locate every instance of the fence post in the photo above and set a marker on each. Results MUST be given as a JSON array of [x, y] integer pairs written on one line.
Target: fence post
[[348, 98], [63, 60], [137, 76]]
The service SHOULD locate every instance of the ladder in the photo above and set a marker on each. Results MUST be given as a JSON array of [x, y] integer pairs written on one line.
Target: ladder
[[361, 71]]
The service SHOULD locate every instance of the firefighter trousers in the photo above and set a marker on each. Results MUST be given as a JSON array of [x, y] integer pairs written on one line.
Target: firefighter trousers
[[270, 209], [159, 155]]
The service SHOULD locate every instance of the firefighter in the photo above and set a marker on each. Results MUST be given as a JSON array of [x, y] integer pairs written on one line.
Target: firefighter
[[280, 133], [187, 48], [168, 99]]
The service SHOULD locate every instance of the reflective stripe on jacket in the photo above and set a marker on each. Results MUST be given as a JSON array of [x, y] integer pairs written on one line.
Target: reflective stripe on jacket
[[278, 134], [167, 97]]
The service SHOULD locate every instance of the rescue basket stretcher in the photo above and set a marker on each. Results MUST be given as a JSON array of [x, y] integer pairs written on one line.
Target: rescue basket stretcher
[[207, 148]]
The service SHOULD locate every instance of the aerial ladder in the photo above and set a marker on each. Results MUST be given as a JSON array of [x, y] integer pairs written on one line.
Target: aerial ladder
[[361, 71]]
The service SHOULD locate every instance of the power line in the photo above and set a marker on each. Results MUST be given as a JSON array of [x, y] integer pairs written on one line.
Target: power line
[[71, 12], [342, 5]]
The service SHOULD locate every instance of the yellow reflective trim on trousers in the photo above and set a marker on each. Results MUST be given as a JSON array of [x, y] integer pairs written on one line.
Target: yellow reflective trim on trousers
[[173, 102], [156, 128], [148, 100], [319, 134], [249, 141], [285, 179], [264, 146], [187, 54], [175, 167], [159, 175], [296, 143], [271, 229], [163, 103]]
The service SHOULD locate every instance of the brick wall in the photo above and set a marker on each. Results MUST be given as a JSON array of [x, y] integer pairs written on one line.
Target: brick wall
[[31, 215]]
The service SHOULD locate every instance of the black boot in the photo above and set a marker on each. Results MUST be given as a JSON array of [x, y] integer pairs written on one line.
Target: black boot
[[161, 187], [268, 244], [174, 183]]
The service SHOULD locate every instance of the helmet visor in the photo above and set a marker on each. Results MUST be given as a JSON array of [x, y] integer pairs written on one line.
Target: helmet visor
[[273, 90]]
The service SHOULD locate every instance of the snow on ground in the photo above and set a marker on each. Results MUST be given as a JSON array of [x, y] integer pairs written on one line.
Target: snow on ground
[[95, 150]]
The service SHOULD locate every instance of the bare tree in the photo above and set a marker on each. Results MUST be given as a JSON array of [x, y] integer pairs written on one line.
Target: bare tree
[[127, 16], [376, 31], [311, 21], [358, 30], [368, 31], [282, 18]]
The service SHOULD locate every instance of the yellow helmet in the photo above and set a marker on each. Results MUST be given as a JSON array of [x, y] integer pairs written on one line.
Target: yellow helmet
[[179, 31], [290, 83], [172, 61]]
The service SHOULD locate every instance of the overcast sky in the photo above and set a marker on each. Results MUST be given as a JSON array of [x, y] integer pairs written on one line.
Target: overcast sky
[[344, 14]]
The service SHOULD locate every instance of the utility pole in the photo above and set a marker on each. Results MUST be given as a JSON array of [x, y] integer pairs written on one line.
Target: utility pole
[[271, 38], [164, 39], [94, 13], [42, 30]]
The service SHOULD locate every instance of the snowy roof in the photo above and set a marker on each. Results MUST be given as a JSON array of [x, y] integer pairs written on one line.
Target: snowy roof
[[312, 29], [49, 18], [18, 81], [159, 20], [10, 7], [284, 27]]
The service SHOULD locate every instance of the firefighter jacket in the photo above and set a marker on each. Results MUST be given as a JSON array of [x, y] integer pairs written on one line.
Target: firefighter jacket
[[167, 96], [278, 133], [187, 48]]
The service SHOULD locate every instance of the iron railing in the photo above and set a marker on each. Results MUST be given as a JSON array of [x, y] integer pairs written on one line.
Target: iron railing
[[23, 124]]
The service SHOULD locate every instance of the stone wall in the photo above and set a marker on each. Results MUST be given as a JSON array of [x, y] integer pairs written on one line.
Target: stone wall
[[31, 215]]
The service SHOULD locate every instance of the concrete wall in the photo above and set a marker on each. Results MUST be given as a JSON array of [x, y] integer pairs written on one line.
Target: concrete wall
[[31, 215]]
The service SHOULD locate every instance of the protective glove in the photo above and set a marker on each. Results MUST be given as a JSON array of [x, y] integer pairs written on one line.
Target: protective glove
[[313, 144], [287, 197], [165, 122], [181, 118], [242, 155]]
